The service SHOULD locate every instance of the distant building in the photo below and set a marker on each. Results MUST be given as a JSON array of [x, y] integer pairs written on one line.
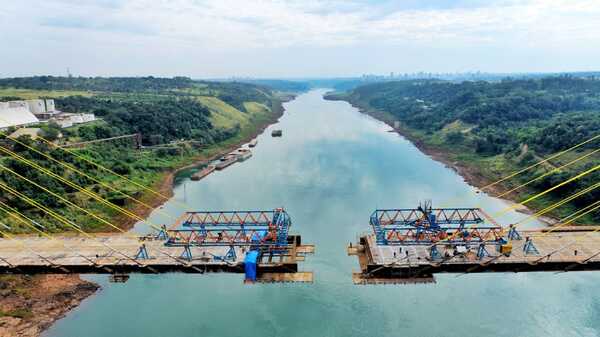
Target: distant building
[[16, 113], [23, 113], [36, 106], [50, 105], [42, 109]]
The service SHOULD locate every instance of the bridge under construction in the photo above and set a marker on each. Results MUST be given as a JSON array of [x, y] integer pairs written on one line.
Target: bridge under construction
[[256, 243], [411, 245]]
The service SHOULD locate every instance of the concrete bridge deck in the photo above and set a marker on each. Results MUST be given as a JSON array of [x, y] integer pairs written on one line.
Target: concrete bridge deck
[[568, 249], [116, 254]]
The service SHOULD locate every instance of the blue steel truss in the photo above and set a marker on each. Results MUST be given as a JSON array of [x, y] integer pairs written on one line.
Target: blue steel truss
[[430, 225], [257, 230]]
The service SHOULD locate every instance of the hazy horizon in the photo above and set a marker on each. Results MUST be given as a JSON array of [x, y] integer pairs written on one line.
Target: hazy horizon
[[297, 39]]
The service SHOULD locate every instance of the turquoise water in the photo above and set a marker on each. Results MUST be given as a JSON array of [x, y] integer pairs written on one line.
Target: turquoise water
[[330, 170]]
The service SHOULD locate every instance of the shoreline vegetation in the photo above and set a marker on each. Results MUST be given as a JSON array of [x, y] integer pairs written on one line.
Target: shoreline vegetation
[[478, 130], [226, 116]]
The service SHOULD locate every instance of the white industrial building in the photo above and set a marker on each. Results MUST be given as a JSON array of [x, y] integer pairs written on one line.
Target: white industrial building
[[22, 113], [16, 113], [36, 106]]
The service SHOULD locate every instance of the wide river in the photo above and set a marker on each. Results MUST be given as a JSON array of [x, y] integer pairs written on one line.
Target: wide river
[[330, 170]]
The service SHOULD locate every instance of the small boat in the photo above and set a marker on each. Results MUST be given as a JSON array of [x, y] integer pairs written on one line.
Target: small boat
[[203, 173], [276, 133], [228, 156], [244, 154], [253, 143], [224, 163]]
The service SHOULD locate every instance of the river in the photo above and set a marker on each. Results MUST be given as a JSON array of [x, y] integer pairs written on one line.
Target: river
[[330, 170]]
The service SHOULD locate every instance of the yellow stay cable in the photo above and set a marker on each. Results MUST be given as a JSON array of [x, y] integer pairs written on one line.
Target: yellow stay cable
[[73, 153], [23, 245], [522, 203], [551, 207], [21, 218], [531, 198], [69, 203], [98, 181], [63, 199], [540, 162], [529, 167], [551, 230], [560, 203], [8, 210], [547, 173], [63, 220], [543, 175], [577, 239], [75, 186], [597, 202]]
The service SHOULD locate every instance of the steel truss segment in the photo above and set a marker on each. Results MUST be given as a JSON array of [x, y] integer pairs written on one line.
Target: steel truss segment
[[232, 228], [404, 217], [426, 226], [228, 218]]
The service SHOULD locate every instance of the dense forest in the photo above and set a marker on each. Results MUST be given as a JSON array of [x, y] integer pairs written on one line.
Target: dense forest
[[497, 126], [563, 109], [158, 121]]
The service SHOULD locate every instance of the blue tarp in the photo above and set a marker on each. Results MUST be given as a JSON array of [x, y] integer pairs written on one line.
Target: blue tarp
[[250, 265]]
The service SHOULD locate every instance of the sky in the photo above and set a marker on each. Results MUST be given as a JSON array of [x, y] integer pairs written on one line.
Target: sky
[[295, 39]]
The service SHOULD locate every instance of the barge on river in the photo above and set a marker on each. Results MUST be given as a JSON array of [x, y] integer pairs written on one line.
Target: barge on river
[[203, 173], [226, 161]]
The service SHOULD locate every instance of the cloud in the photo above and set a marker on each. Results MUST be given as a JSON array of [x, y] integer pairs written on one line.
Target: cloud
[[200, 27], [108, 25], [258, 24]]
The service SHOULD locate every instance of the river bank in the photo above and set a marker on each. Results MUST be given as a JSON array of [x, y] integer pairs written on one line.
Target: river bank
[[164, 187], [470, 174], [31, 304]]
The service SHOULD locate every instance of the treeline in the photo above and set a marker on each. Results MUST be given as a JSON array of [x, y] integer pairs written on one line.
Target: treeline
[[233, 93], [280, 85], [159, 121], [105, 84], [548, 114]]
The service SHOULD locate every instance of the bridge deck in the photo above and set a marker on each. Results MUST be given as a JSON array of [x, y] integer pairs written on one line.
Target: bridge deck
[[109, 254], [563, 250]]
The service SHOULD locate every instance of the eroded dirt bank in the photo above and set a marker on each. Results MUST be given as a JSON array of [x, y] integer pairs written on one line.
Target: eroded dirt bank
[[30, 304]]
